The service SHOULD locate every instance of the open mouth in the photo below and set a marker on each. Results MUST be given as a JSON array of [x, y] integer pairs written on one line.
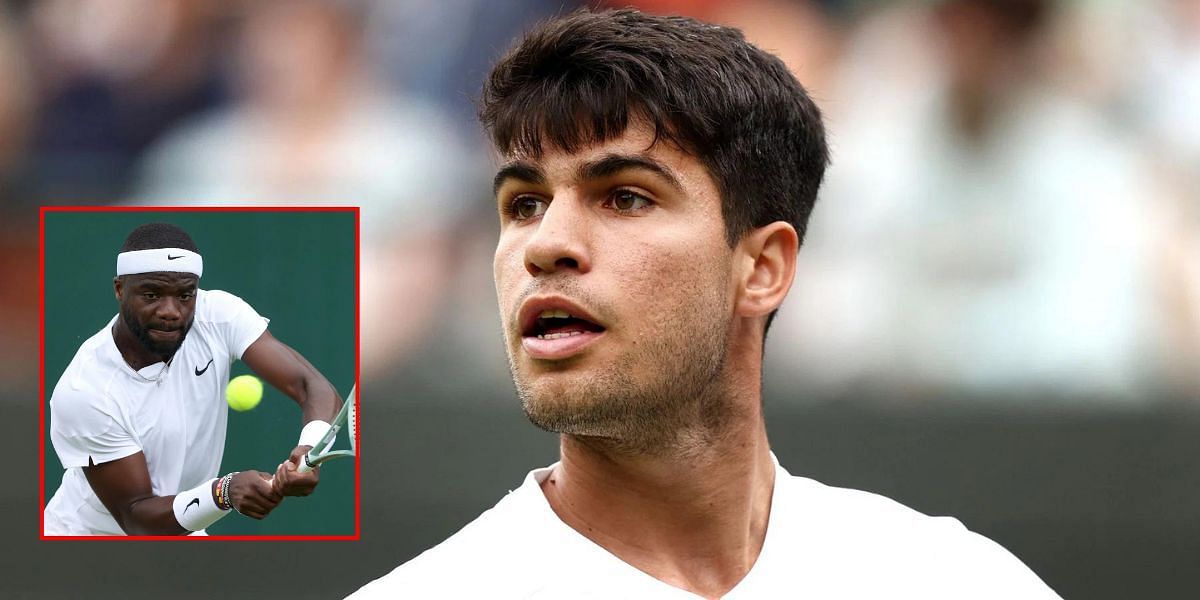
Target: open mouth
[[555, 329], [554, 324]]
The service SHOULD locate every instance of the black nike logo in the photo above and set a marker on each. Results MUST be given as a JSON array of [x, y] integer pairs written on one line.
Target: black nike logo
[[169, 257], [195, 501], [200, 371]]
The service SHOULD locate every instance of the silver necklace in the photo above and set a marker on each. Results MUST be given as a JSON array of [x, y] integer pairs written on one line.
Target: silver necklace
[[157, 379]]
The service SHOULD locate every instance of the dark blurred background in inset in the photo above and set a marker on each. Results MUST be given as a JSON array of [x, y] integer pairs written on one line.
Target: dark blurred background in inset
[[997, 314]]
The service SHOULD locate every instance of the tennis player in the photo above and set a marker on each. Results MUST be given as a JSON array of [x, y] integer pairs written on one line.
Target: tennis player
[[138, 417], [658, 173]]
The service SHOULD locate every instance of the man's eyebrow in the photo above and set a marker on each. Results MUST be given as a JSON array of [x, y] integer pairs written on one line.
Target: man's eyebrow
[[522, 171], [612, 164]]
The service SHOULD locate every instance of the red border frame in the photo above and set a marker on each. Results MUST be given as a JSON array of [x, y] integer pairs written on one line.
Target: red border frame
[[42, 370]]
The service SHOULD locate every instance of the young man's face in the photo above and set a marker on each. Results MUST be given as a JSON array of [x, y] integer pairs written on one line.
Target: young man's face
[[158, 308], [628, 240]]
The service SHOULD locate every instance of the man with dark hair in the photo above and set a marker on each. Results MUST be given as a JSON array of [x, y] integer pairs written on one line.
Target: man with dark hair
[[657, 176], [138, 418]]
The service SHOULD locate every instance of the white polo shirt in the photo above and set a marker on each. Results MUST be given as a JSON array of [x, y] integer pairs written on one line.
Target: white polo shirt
[[102, 410], [821, 542]]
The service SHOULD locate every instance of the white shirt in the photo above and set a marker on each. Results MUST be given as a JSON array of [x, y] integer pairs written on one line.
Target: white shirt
[[103, 410], [822, 542]]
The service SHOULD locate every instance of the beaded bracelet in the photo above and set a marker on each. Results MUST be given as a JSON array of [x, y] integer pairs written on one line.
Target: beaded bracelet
[[228, 496], [224, 500]]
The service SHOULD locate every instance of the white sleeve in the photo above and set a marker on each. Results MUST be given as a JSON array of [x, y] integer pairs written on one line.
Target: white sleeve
[[238, 324], [978, 567], [84, 433]]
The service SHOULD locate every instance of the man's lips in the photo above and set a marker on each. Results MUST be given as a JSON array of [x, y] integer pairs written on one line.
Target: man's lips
[[533, 309], [558, 348], [554, 327], [169, 334]]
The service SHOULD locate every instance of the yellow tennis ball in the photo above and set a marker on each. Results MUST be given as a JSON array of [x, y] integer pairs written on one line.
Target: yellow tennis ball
[[243, 392]]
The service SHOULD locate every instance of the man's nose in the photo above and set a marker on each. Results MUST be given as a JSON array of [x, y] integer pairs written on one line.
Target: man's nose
[[561, 239], [169, 308]]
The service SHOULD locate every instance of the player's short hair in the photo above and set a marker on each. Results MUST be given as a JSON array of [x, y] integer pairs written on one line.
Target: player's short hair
[[158, 235], [580, 79]]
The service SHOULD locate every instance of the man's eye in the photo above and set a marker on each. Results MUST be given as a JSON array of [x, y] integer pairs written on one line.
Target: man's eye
[[150, 296], [527, 207], [186, 297], [627, 201]]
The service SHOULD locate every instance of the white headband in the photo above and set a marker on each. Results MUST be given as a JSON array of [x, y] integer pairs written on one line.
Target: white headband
[[159, 259]]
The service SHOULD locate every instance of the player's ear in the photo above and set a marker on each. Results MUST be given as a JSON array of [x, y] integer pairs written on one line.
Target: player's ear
[[767, 267], [117, 287]]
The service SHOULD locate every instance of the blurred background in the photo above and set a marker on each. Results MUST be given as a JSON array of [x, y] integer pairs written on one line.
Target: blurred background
[[997, 314]]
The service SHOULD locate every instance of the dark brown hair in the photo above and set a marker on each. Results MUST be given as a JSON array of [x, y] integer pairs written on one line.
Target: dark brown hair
[[580, 79]]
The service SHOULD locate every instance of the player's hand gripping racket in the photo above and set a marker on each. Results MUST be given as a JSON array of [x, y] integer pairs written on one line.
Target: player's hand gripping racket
[[322, 451]]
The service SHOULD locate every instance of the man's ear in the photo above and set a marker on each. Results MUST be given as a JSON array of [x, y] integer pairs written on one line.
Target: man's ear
[[767, 260], [117, 287]]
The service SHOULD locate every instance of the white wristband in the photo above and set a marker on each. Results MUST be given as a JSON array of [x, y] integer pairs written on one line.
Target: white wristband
[[312, 433], [195, 509]]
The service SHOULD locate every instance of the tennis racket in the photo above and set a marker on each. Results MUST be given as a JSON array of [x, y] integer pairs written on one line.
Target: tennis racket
[[322, 452]]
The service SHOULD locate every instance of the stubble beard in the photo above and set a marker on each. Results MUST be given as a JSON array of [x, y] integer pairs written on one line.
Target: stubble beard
[[164, 351], [680, 404]]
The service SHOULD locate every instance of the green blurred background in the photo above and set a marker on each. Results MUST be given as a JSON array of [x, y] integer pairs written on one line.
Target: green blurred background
[[295, 268]]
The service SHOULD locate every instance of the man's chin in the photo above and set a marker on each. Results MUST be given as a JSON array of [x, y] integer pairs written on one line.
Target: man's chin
[[573, 406], [560, 417], [165, 349]]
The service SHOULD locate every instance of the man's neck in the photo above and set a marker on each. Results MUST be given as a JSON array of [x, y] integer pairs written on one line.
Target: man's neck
[[695, 520], [135, 354]]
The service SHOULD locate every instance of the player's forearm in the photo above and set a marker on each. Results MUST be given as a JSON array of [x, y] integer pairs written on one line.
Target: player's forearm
[[189, 510], [322, 404], [317, 397], [149, 516], [125, 488]]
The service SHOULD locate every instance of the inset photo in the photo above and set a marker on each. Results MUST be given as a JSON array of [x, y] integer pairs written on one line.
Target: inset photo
[[199, 370]]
